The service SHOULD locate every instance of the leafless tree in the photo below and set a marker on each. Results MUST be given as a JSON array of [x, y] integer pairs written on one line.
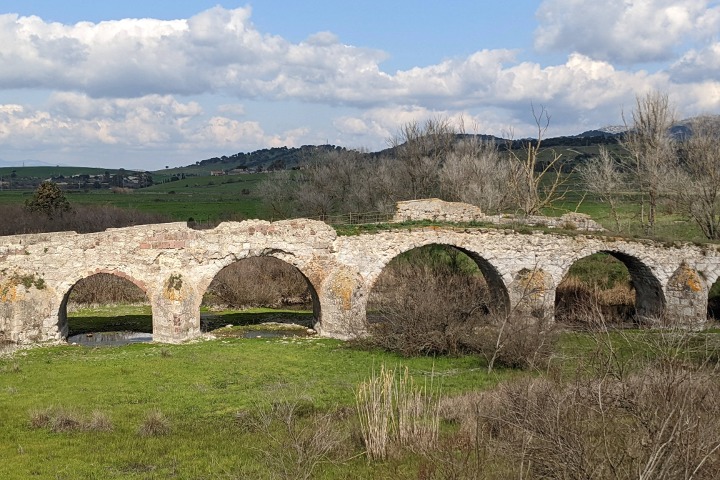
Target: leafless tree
[[278, 194], [475, 172], [652, 151], [535, 186], [602, 177], [419, 153], [699, 190], [332, 182]]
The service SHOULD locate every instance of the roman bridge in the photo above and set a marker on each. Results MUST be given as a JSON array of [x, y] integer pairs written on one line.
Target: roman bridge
[[174, 265]]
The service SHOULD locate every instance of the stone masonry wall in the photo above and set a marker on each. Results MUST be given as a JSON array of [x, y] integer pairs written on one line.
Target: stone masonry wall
[[174, 265], [456, 212]]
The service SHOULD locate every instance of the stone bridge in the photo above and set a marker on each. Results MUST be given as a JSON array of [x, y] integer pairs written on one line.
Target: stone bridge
[[174, 265]]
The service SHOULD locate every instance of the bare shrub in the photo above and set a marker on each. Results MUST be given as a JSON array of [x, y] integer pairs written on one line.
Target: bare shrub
[[423, 305], [99, 421], [574, 297], [660, 423], [393, 411], [421, 309], [81, 219], [513, 340], [474, 172], [259, 282], [652, 412], [66, 420], [40, 418], [154, 424], [106, 288], [300, 439]]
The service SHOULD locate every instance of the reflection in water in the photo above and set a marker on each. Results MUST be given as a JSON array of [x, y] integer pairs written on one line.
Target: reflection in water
[[102, 339]]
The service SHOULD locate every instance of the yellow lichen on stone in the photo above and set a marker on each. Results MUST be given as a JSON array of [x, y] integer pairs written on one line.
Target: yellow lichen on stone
[[342, 288], [173, 288], [8, 292], [532, 283], [687, 279], [9, 287]]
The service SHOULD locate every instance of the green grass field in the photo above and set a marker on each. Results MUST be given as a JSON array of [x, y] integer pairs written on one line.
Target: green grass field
[[201, 198], [202, 388], [208, 394]]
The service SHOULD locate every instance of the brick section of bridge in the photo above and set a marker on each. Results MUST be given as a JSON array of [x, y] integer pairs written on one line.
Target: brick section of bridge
[[174, 265]]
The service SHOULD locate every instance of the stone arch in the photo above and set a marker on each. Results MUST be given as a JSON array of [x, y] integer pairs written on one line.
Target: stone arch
[[67, 287], [713, 296], [497, 288], [649, 296], [287, 258]]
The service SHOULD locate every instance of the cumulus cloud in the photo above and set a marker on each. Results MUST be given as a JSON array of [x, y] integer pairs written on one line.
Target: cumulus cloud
[[376, 127], [218, 50], [148, 122], [625, 31], [698, 65]]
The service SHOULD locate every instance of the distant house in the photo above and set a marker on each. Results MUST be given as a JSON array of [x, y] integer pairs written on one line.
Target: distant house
[[217, 173]]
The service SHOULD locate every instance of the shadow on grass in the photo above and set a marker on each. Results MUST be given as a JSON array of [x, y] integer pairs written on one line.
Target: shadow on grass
[[213, 321], [133, 323], [208, 321]]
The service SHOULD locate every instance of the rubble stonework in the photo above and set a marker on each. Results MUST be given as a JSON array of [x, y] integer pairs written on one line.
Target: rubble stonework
[[456, 212], [437, 210], [175, 264]]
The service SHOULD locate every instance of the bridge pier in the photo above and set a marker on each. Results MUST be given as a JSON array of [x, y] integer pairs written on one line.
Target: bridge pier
[[175, 310], [343, 299], [532, 294], [686, 297], [26, 310]]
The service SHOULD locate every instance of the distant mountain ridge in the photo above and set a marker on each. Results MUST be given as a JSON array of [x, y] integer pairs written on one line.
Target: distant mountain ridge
[[24, 163], [283, 158], [277, 158]]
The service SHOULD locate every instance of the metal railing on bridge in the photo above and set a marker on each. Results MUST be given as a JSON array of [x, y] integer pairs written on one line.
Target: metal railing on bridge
[[365, 218]]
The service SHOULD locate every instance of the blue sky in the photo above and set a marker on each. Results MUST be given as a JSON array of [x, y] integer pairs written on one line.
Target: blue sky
[[153, 83]]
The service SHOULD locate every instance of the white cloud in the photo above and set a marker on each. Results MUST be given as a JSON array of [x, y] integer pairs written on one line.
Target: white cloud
[[625, 31], [220, 51], [375, 128], [217, 50], [74, 119], [151, 123], [698, 65]]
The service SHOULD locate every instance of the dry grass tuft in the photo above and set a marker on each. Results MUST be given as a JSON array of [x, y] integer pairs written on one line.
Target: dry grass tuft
[[154, 424], [61, 419]]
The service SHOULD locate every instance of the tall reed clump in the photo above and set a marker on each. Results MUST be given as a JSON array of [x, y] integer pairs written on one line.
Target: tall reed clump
[[393, 411]]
